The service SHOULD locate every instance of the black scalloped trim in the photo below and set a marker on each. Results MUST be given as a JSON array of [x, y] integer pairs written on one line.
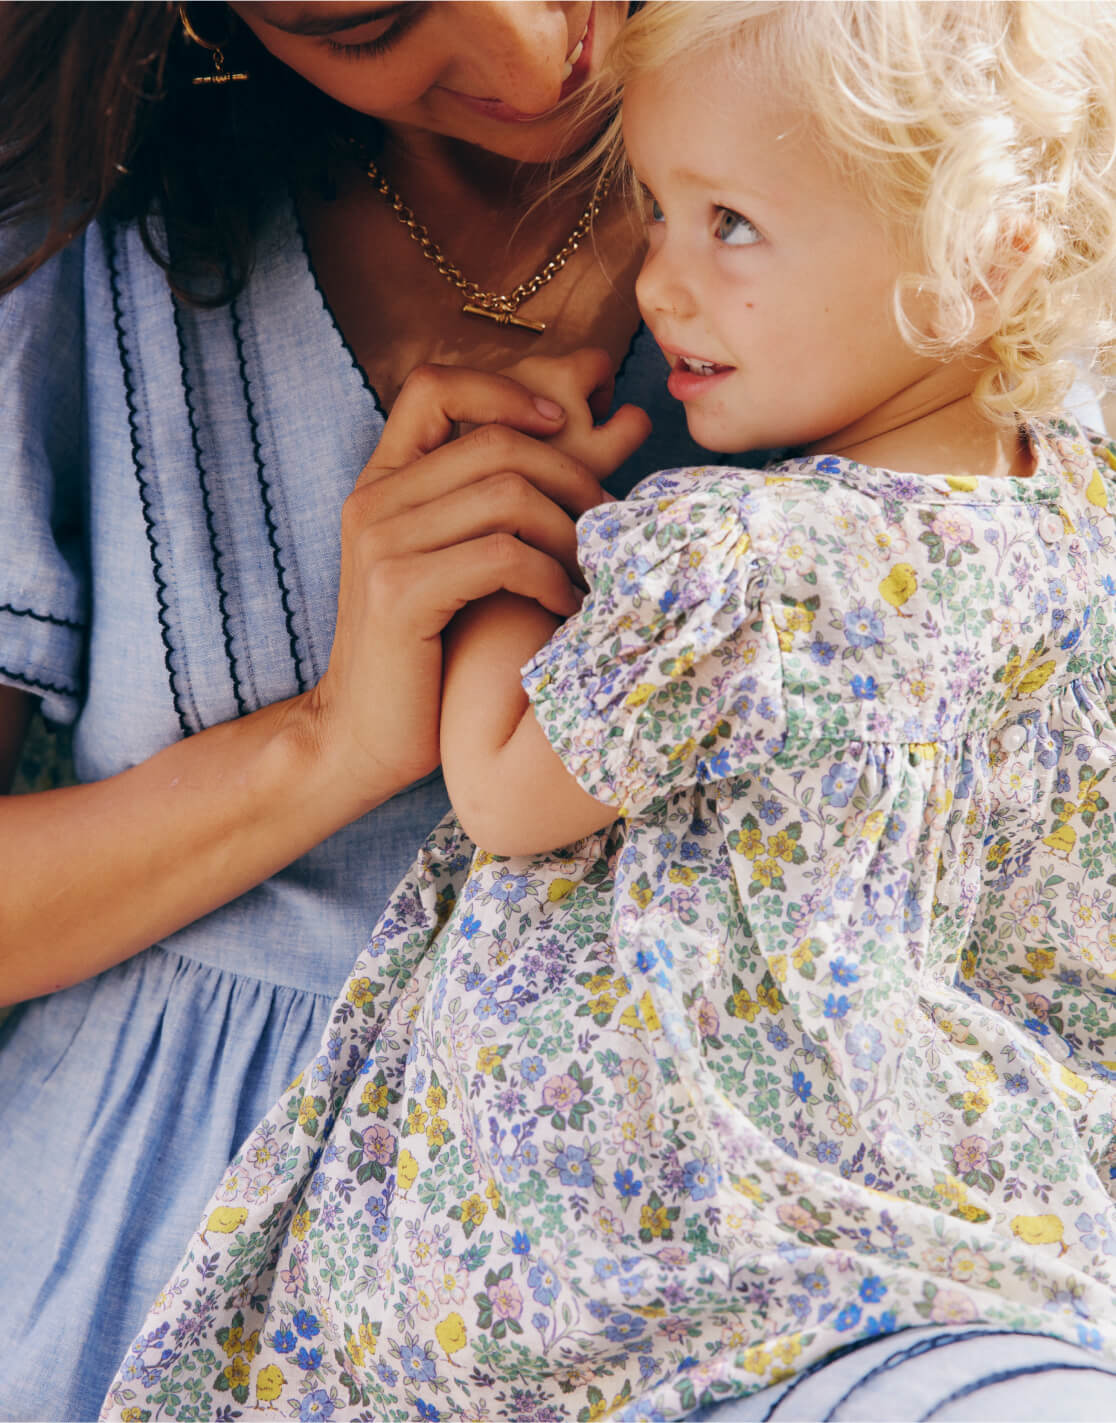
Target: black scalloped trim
[[207, 505], [41, 617], [330, 314], [26, 681], [137, 463], [265, 494]]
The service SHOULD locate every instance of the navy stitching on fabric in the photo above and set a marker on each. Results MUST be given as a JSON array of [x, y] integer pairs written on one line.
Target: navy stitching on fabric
[[34, 682], [1003, 1375], [207, 504], [137, 463], [265, 494], [927, 1346], [328, 309], [41, 617]]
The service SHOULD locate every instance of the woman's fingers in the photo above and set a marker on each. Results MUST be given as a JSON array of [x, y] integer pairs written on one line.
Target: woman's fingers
[[435, 399], [499, 503], [428, 589]]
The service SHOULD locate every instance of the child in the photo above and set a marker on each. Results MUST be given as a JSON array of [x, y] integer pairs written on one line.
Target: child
[[814, 1042]]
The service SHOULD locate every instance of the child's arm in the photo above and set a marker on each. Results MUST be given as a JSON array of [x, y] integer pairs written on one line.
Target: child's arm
[[511, 792]]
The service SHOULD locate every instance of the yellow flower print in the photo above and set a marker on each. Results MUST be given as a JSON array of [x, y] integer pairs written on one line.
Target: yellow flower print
[[375, 1096], [874, 825], [492, 1191], [640, 694], [436, 1129], [788, 1349], [416, 1120], [435, 1098], [238, 1373], [355, 1352], [682, 750], [648, 1014], [781, 846], [301, 1224], [747, 842], [235, 1343], [980, 1072], [743, 1005], [361, 992], [367, 1336], [602, 1004], [766, 871], [680, 874], [307, 1112], [269, 1383], [757, 1360], [778, 964], [769, 995], [655, 1220], [1041, 961], [474, 1210], [488, 1059], [975, 1101], [451, 1334]]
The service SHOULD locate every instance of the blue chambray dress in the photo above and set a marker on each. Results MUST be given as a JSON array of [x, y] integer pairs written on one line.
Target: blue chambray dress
[[171, 483]]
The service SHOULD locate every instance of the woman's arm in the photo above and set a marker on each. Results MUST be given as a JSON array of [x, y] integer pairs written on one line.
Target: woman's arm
[[91, 874], [509, 789]]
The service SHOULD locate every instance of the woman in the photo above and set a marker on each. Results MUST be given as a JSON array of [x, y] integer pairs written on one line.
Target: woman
[[215, 310]]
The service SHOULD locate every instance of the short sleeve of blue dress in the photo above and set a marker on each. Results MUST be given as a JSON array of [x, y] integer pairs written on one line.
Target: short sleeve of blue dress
[[43, 585], [643, 690], [172, 483]]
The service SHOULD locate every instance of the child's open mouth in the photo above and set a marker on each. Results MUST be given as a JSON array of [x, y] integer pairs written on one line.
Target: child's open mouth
[[692, 376]]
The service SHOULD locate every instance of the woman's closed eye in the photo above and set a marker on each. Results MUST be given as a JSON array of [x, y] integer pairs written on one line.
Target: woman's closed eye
[[394, 28], [734, 229]]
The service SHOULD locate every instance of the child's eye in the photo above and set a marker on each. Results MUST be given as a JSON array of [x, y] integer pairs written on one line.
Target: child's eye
[[651, 207], [734, 229]]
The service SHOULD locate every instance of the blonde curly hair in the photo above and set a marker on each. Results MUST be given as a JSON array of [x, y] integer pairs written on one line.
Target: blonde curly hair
[[986, 127]]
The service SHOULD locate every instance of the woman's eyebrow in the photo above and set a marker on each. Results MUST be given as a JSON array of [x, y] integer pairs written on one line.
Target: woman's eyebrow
[[312, 22]]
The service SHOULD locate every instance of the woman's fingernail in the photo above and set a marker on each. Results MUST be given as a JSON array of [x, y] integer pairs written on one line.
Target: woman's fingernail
[[548, 408]]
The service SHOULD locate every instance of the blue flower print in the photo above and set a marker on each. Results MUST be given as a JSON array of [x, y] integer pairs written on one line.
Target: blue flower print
[[802, 1088], [624, 1327], [308, 1359], [532, 1068], [836, 1006], [427, 1411], [521, 1243], [510, 888], [848, 1318], [778, 1037], [864, 688], [885, 1323], [863, 627], [844, 971], [838, 784], [316, 1407], [386, 1374], [626, 1185], [574, 1168], [864, 1045], [872, 1289], [771, 811], [469, 924], [631, 574], [822, 652], [1096, 1233], [283, 1341], [418, 1363], [699, 1179], [306, 1324], [1016, 1082], [543, 1284], [828, 1152]]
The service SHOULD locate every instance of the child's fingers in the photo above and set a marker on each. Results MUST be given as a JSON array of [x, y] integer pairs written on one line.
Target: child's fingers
[[620, 436]]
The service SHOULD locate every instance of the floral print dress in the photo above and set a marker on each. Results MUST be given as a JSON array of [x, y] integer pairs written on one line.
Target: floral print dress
[[817, 1042]]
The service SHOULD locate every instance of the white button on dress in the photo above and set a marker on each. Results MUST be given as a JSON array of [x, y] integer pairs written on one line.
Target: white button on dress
[[1050, 528]]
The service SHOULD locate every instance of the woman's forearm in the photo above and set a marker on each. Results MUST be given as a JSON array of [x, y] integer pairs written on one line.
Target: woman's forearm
[[94, 873]]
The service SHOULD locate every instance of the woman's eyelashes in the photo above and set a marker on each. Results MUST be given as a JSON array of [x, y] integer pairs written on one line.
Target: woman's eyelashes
[[382, 42], [734, 229]]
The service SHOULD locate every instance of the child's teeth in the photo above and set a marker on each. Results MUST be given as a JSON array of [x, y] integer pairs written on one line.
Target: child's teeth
[[701, 368], [573, 56]]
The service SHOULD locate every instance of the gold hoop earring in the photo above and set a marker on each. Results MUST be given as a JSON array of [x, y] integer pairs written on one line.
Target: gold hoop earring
[[220, 74]]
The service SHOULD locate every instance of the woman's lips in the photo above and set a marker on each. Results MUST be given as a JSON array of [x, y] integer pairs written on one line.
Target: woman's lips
[[497, 109]]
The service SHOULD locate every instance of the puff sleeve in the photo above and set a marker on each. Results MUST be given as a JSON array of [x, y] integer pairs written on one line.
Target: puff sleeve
[[43, 583], [670, 673]]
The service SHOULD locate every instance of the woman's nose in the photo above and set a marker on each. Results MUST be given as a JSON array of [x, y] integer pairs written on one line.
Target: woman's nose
[[515, 51], [662, 284]]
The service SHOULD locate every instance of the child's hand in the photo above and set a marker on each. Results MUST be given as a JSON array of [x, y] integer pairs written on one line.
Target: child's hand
[[581, 383]]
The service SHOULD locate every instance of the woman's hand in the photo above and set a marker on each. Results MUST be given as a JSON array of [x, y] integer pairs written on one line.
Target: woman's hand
[[433, 523]]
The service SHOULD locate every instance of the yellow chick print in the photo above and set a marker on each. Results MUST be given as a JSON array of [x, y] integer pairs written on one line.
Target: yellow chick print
[[406, 1170], [559, 888], [1061, 839], [269, 1383], [224, 1220], [1039, 1230], [451, 1334], [898, 586]]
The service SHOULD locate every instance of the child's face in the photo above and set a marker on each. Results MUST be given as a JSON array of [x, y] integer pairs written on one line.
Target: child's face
[[764, 268]]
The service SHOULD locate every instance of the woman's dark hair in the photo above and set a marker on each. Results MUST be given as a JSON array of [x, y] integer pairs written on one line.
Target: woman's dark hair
[[100, 115]]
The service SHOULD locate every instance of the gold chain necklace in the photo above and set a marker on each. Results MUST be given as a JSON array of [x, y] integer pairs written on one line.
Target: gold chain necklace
[[500, 307]]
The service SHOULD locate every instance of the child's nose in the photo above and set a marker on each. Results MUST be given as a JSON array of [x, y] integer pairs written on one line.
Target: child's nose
[[663, 285]]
